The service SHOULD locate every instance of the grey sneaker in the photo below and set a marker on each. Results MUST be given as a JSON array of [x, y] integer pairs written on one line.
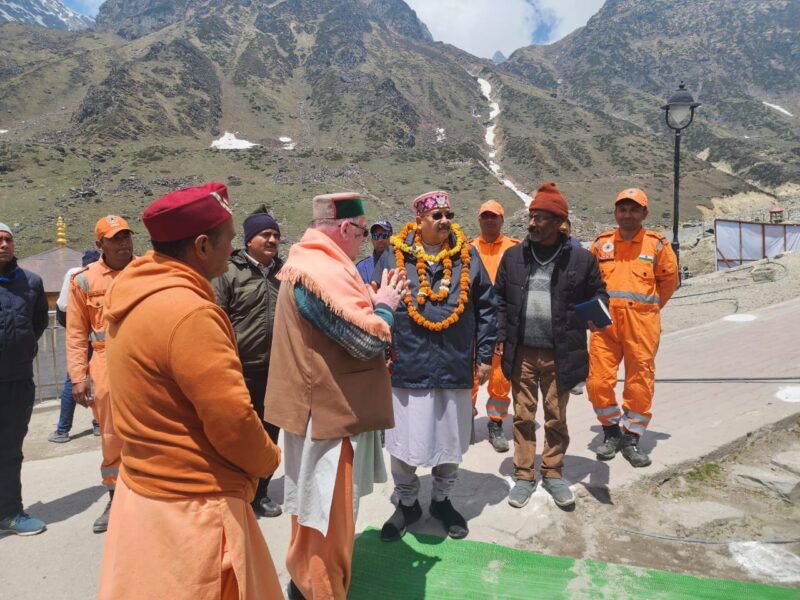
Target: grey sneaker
[[558, 488], [612, 443], [632, 453], [95, 429], [101, 524], [58, 437], [521, 493], [496, 437]]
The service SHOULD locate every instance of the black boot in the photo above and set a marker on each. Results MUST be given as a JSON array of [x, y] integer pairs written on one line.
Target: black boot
[[293, 592], [403, 516], [452, 520], [496, 437], [631, 451], [101, 523], [612, 442]]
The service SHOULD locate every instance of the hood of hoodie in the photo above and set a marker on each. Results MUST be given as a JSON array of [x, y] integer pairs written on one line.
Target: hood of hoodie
[[148, 275]]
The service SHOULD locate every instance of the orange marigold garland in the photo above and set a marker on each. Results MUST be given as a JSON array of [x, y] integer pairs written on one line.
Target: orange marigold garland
[[426, 292]]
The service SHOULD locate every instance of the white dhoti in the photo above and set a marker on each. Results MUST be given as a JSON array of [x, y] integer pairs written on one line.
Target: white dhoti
[[432, 428]]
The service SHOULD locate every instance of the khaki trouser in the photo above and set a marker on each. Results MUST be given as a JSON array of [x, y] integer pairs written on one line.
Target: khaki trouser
[[534, 369]]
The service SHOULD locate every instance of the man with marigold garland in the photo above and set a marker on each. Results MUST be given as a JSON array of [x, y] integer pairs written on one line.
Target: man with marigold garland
[[443, 332]]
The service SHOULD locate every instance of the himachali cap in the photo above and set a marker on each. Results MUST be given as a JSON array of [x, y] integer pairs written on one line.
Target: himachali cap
[[430, 201], [634, 194], [187, 212], [337, 206], [109, 226], [492, 206]]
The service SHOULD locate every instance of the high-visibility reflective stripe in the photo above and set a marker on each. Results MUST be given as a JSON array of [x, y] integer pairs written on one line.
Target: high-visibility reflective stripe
[[98, 336], [634, 427], [643, 298], [637, 417], [109, 471], [81, 280], [496, 402], [494, 413], [608, 410]]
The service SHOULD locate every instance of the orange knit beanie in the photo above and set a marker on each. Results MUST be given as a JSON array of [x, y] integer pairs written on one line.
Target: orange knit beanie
[[548, 198]]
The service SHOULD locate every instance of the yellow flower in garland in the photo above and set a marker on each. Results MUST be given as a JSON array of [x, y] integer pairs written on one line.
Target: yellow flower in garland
[[425, 290]]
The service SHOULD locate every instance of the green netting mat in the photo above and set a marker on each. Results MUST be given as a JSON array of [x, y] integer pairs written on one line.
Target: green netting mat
[[423, 566]]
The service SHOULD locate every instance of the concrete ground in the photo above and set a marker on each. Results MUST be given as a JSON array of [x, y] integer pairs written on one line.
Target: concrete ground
[[692, 420]]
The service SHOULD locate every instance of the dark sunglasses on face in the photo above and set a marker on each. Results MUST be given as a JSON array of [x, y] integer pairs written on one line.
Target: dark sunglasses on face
[[437, 216], [380, 236], [364, 230]]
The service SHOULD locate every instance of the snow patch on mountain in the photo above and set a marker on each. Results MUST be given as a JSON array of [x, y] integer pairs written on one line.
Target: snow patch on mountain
[[229, 141], [45, 13], [780, 109]]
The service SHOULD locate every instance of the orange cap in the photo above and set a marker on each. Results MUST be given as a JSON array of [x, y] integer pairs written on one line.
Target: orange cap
[[109, 226], [492, 206], [634, 194]]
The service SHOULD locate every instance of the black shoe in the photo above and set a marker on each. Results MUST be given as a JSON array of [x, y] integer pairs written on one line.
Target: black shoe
[[452, 520], [631, 451], [496, 437], [612, 442], [293, 592], [101, 524], [403, 516], [267, 508]]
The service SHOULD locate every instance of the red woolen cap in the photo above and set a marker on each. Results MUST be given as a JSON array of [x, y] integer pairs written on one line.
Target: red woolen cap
[[549, 199], [187, 212]]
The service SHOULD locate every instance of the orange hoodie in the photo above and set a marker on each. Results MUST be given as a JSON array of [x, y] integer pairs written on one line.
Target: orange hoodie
[[179, 401]]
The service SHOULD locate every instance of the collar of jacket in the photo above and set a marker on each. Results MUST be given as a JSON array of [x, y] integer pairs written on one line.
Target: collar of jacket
[[11, 272], [527, 243], [239, 259]]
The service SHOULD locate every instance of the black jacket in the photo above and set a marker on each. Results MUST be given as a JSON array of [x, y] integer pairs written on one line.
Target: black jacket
[[576, 278], [249, 299], [426, 359], [23, 319]]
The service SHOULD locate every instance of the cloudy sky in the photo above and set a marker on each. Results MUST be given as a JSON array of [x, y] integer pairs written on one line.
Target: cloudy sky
[[481, 27]]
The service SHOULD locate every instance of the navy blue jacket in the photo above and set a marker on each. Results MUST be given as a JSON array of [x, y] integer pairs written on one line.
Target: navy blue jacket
[[23, 319], [427, 359]]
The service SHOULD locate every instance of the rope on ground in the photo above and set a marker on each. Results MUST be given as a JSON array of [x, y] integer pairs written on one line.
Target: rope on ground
[[674, 538]]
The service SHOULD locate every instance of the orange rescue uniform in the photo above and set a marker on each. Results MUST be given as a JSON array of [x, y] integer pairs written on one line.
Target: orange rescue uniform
[[641, 275], [499, 387], [87, 325]]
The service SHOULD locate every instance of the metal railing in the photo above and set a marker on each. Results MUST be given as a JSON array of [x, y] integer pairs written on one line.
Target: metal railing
[[50, 364]]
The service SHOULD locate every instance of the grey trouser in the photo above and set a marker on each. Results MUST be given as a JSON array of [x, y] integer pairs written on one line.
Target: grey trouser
[[406, 482]]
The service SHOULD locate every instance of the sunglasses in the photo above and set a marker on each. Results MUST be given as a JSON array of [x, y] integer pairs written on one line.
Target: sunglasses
[[380, 236], [438, 215], [364, 230]]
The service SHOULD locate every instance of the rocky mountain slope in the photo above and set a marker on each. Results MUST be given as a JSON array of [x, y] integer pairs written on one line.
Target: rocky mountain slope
[[344, 94], [739, 57], [45, 13]]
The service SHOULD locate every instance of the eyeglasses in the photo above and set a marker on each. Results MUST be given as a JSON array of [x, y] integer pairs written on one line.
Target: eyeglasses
[[539, 218], [364, 230], [438, 215], [380, 236]]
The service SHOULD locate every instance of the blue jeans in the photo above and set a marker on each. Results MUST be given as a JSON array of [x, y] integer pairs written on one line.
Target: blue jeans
[[68, 405]]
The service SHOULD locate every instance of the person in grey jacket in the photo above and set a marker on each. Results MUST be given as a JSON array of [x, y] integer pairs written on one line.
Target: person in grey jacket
[[23, 319], [248, 292]]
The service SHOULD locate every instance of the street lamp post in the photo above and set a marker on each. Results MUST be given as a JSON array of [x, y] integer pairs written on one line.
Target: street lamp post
[[679, 113]]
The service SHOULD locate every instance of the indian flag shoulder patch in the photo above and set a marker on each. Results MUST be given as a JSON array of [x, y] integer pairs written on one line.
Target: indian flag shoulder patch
[[646, 257]]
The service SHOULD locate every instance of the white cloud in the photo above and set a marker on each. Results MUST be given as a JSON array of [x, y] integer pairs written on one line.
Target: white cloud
[[482, 27]]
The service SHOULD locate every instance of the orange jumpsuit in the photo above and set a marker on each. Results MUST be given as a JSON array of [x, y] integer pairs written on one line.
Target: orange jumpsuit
[[640, 275], [86, 324], [499, 387]]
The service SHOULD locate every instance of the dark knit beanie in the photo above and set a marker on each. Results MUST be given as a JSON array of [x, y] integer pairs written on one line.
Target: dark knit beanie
[[549, 199], [90, 256], [259, 220]]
